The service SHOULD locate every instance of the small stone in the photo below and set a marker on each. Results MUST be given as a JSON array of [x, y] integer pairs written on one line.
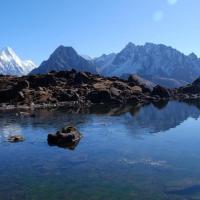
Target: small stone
[[15, 138]]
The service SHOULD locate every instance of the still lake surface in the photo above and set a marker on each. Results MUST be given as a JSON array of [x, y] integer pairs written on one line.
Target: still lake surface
[[146, 153]]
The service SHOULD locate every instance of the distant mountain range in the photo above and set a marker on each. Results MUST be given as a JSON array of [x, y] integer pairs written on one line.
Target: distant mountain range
[[157, 63], [11, 64]]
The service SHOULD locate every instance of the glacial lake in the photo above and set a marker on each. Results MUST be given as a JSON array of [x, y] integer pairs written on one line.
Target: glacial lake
[[147, 153]]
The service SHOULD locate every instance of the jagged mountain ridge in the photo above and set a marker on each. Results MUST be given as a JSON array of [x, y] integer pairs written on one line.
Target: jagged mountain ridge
[[11, 64], [158, 63]]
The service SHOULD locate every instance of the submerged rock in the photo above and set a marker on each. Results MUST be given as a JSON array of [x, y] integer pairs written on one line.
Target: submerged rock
[[67, 137], [15, 138]]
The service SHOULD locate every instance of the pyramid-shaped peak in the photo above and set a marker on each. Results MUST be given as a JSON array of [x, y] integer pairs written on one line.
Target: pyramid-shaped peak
[[8, 51]]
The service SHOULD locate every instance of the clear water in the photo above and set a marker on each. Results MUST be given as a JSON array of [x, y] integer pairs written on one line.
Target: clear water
[[127, 153]]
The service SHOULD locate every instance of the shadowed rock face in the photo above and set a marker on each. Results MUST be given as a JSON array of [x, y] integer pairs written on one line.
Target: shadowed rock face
[[65, 58]]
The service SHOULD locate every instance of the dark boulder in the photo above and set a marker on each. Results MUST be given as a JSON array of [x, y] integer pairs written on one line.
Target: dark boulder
[[190, 89], [22, 85], [7, 95], [66, 95], [161, 92], [73, 71], [99, 96], [42, 80], [81, 77], [67, 137], [67, 75], [146, 89], [61, 74]]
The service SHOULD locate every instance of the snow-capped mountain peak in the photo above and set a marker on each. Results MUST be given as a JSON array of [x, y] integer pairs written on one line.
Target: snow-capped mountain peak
[[8, 54], [11, 64]]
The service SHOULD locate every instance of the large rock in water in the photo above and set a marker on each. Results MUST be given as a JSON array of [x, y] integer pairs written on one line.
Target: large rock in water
[[15, 138], [161, 92], [67, 137]]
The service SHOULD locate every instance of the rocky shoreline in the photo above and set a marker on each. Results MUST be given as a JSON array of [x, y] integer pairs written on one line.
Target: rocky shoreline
[[83, 89]]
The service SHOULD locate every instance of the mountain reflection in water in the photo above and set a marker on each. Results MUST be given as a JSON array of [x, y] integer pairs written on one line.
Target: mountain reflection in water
[[160, 116], [118, 156]]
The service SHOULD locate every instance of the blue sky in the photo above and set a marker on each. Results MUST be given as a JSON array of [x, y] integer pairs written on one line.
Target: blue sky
[[34, 28]]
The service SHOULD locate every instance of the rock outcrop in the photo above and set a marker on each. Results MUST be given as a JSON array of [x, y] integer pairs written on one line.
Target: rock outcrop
[[83, 89], [69, 88]]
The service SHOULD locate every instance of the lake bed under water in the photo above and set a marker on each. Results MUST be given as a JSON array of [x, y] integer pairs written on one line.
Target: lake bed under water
[[151, 153]]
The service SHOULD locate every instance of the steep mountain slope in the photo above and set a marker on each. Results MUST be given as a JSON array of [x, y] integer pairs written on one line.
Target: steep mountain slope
[[104, 61], [11, 64], [157, 63], [65, 58], [86, 57]]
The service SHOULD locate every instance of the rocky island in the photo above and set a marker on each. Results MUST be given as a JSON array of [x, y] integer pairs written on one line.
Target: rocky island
[[83, 89]]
